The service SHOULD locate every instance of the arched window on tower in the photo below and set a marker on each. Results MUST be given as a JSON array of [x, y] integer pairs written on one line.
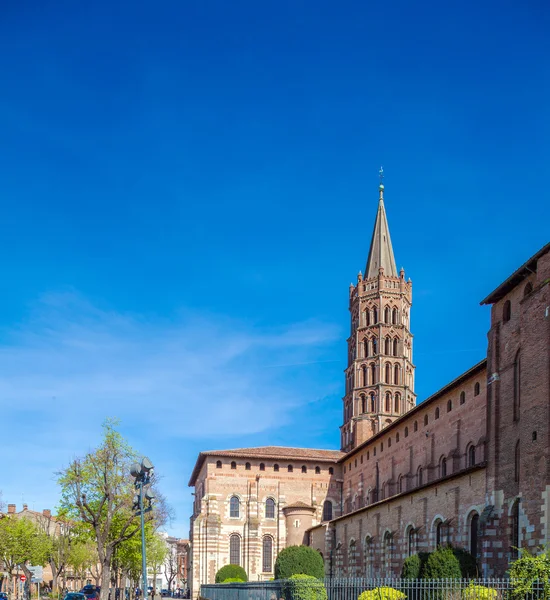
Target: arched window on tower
[[395, 346], [388, 402], [374, 346], [367, 313], [477, 389], [387, 346], [372, 402], [395, 316], [364, 375], [420, 476], [365, 348], [443, 467], [387, 315], [462, 397], [218, 464], [270, 508], [388, 373], [375, 315], [396, 375], [373, 373], [397, 402], [363, 403]]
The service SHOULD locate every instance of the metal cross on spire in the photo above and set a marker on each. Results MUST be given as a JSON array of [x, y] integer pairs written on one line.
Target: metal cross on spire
[[381, 173]]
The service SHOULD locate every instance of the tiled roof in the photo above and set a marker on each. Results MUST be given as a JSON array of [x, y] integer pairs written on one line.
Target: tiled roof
[[269, 452]]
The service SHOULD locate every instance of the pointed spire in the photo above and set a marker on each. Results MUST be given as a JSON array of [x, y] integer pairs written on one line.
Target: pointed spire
[[381, 250]]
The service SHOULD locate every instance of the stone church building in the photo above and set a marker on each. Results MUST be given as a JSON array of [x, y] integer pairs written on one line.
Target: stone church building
[[469, 466]]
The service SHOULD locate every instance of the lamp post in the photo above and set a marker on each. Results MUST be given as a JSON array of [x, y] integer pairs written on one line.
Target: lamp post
[[142, 474]]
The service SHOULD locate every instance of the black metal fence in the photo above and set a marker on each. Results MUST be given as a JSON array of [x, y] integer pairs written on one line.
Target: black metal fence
[[351, 588]]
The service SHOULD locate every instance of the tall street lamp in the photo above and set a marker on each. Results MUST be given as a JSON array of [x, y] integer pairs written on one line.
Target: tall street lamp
[[142, 474]]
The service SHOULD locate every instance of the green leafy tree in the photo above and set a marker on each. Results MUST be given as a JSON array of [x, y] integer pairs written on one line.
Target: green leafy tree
[[23, 544], [128, 555], [157, 551], [299, 560], [528, 569], [231, 572], [98, 490], [83, 559]]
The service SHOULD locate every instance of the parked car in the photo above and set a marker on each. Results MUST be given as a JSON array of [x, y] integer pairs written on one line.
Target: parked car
[[164, 593], [75, 596], [91, 592]]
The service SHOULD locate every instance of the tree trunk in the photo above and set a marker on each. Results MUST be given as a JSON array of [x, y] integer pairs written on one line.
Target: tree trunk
[[55, 574], [106, 573]]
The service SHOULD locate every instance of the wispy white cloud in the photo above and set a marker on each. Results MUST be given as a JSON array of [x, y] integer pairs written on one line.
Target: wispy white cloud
[[72, 363]]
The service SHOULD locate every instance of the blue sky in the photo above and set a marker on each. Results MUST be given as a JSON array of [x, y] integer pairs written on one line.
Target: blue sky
[[188, 189]]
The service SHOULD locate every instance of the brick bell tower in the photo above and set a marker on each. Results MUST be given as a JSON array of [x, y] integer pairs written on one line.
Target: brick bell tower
[[380, 371]]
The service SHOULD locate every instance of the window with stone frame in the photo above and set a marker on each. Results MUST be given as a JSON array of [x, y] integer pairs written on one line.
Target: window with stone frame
[[327, 510], [443, 467], [267, 554], [234, 549], [412, 541], [234, 507], [471, 455], [474, 532], [270, 508]]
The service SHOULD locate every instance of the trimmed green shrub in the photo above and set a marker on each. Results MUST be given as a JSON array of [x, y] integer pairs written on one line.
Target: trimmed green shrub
[[305, 587], [299, 560], [468, 564], [413, 565], [479, 592], [382, 593], [441, 564], [526, 570], [231, 572], [233, 580]]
